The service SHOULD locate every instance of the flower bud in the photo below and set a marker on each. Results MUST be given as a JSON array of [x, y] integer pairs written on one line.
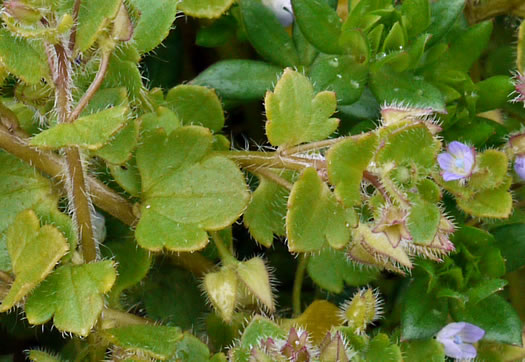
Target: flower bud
[[254, 275], [364, 308], [122, 26], [297, 347], [333, 348], [517, 144], [22, 12], [221, 288]]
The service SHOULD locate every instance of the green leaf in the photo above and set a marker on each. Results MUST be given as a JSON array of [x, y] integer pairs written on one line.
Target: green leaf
[[163, 118], [295, 115], [191, 349], [34, 252], [475, 39], [343, 74], [154, 341], [391, 87], [485, 289], [123, 71], [443, 15], [314, 216], [93, 17], [265, 214], [510, 239], [426, 350], [119, 149], [491, 170], [73, 295], [417, 13], [172, 296], [196, 105], [24, 59], [347, 160], [395, 39], [399, 145], [106, 98], [258, 329], [380, 349], [266, 34], [319, 23], [23, 188], [205, 8], [520, 61], [90, 132], [154, 22], [492, 203], [493, 92], [422, 315], [186, 193], [132, 265], [331, 268], [423, 221], [494, 315], [127, 176], [239, 79]]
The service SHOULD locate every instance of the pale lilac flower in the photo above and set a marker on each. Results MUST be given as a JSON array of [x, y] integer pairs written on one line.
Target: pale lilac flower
[[519, 166], [457, 339], [457, 163], [282, 9]]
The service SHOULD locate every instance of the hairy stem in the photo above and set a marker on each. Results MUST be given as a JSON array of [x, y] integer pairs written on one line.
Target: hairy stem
[[270, 175], [271, 160], [73, 36], [78, 192], [93, 87], [314, 146], [52, 165], [298, 284], [225, 254]]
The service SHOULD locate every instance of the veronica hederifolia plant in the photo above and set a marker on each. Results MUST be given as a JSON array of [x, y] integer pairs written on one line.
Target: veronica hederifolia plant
[[381, 159]]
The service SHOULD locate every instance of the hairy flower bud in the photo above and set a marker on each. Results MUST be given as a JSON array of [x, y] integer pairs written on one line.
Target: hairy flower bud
[[364, 308], [21, 11]]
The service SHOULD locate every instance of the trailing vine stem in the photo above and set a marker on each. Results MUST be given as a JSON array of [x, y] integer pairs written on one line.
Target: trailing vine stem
[[78, 192], [298, 284]]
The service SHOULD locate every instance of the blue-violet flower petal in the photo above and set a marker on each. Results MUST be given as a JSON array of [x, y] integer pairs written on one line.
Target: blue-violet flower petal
[[457, 339], [458, 162]]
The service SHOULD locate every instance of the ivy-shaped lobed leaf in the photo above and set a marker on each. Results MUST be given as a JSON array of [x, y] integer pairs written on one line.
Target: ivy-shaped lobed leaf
[[295, 115], [72, 296], [34, 252], [185, 190]]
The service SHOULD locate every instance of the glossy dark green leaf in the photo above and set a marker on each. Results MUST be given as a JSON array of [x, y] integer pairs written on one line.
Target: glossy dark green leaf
[[493, 93], [239, 79], [391, 87], [417, 14], [422, 315], [494, 315], [510, 239], [343, 74], [319, 23], [485, 289], [475, 39], [443, 14], [267, 35]]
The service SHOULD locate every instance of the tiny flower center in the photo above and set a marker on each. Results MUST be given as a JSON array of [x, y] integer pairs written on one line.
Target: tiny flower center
[[458, 340], [460, 163]]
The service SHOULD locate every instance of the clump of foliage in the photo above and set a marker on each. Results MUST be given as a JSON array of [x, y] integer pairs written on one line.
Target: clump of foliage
[[388, 168]]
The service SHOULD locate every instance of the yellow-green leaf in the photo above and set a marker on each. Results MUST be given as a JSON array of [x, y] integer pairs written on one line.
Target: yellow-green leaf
[[34, 252], [91, 132], [73, 295], [295, 114]]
